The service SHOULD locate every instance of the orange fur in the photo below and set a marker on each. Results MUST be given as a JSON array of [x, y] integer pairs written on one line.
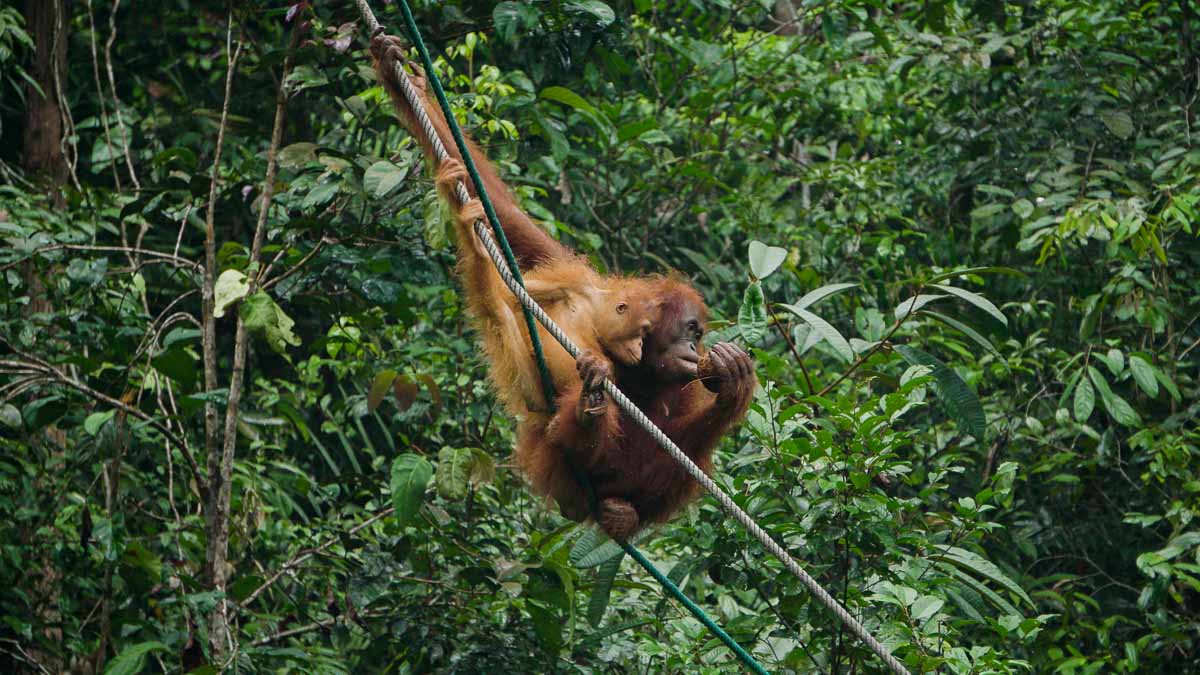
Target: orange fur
[[637, 331]]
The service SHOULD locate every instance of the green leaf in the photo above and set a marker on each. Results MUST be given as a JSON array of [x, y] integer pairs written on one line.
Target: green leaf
[[632, 130], [975, 299], [262, 315], [297, 155], [547, 625], [1168, 383], [568, 98], [959, 402], [379, 388], [911, 305], [410, 476], [132, 659], [1085, 400], [925, 607], [976, 270], [965, 329], [983, 567], [1023, 208], [454, 472], [752, 317], [231, 286], [1096, 306], [382, 177], [1114, 360], [1117, 407], [603, 14], [1118, 122], [765, 259], [1143, 374], [513, 17], [602, 553], [96, 420], [828, 332], [818, 294], [602, 589], [591, 539]]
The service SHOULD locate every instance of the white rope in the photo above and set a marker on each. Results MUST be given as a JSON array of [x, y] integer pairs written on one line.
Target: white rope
[[627, 406]]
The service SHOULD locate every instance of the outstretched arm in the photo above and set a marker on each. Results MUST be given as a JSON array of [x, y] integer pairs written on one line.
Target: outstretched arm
[[530, 243]]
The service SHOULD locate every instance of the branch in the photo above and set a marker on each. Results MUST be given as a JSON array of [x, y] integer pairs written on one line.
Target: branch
[[303, 556], [62, 378]]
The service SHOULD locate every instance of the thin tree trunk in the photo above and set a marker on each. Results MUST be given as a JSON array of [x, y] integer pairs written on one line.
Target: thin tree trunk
[[218, 542], [45, 162]]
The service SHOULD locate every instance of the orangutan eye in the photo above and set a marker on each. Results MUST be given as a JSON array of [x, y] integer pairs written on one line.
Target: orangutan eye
[[621, 308]]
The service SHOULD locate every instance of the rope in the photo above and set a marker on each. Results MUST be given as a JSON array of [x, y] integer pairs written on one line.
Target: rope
[[515, 285], [693, 608], [507, 259]]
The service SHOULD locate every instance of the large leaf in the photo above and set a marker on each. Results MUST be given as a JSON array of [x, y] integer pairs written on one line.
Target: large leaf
[[454, 472], [828, 332], [379, 388], [263, 316], [966, 330], [911, 305], [602, 588], [382, 177], [1085, 400], [764, 259], [231, 286], [752, 317], [983, 567], [818, 294], [959, 402], [975, 299], [1143, 374], [1117, 407], [132, 659], [410, 476]]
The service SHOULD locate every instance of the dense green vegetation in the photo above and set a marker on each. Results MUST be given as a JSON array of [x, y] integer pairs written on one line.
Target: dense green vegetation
[[973, 305]]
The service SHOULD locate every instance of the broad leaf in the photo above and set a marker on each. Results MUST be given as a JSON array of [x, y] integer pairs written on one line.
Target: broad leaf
[[262, 315], [602, 588], [132, 659], [410, 476], [752, 317], [959, 402], [911, 305], [382, 177], [975, 299], [1143, 374], [230, 287], [764, 259], [1085, 400], [830, 334], [1117, 407], [379, 388], [817, 294]]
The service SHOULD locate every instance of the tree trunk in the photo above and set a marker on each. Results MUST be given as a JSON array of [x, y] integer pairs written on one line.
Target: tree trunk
[[45, 162]]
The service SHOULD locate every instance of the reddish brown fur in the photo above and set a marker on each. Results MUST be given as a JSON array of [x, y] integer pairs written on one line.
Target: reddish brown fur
[[636, 482]]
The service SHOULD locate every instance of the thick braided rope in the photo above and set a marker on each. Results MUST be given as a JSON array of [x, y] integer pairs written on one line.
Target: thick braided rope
[[627, 406]]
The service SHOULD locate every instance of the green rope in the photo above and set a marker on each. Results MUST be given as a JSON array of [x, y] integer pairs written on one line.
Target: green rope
[[411, 24], [693, 608], [547, 382]]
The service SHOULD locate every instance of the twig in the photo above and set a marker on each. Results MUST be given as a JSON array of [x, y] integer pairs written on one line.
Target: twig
[[62, 378], [303, 556]]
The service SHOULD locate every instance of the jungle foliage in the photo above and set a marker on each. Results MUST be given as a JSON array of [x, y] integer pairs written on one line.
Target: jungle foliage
[[959, 237]]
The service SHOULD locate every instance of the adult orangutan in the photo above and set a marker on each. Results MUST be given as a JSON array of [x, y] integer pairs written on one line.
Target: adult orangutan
[[693, 394]]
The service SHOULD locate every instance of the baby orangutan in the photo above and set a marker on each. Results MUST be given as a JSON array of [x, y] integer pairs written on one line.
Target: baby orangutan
[[603, 316]]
